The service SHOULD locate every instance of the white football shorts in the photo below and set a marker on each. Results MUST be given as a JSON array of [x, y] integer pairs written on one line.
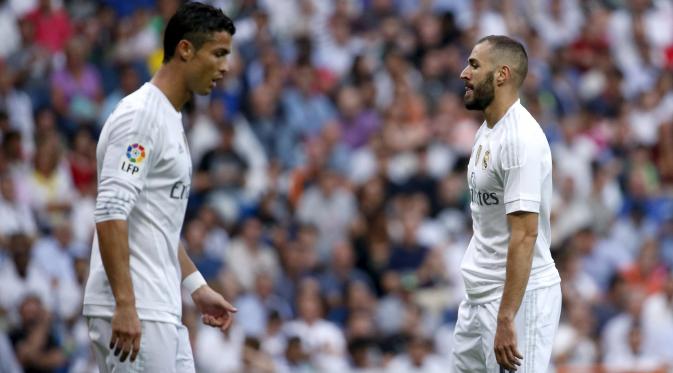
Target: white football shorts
[[536, 324], [164, 347]]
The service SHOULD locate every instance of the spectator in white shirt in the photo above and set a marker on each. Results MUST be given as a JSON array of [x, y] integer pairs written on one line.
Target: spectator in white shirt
[[558, 21], [573, 343], [658, 322], [15, 215], [219, 352], [19, 277], [18, 106], [322, 340], [418, 359], [615, 336], [331, 208], [337, 51], [56, 253], [249, 255], [258, 305], [636, 358], [23, 275]]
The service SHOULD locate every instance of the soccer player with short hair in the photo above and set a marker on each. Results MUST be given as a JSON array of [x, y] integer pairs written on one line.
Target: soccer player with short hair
[[132, 298], [511, 312]]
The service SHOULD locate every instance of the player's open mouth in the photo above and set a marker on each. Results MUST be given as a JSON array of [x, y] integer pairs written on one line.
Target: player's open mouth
[[214, 82]]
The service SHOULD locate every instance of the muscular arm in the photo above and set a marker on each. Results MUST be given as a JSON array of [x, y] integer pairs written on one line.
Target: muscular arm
[[523, 226], [114, 251]]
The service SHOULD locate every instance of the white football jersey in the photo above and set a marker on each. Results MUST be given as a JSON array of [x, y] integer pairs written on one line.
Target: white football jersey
[[510, 170], [144, 173]]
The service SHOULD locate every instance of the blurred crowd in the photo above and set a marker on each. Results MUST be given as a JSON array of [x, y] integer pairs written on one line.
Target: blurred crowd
[[329, 199]]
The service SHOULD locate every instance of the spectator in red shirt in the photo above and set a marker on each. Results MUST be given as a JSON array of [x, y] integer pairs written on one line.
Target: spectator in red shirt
[[82, 161], [52, 26], [648, 272]]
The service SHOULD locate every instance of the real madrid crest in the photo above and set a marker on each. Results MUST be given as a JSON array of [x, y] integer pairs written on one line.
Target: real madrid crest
[[487, 155]]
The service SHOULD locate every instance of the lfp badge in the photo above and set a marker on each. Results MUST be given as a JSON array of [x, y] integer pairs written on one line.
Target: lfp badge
[[135, 153]]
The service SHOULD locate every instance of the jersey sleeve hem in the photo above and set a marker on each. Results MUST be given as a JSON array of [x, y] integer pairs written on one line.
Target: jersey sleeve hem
[[109, 217], [513, 197], [522, 205]]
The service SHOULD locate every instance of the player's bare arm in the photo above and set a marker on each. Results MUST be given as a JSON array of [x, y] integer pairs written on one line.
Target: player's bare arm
[[215, 310], [523, 226], [114, 250]]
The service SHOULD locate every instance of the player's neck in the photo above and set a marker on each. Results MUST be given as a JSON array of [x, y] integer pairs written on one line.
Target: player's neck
[[170, 82], [499, 106]]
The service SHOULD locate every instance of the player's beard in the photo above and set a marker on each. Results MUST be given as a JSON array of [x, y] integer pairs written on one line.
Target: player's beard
[[482, 95]]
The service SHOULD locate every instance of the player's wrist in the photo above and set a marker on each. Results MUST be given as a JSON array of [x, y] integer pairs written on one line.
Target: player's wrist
[[194, 281], [125, 301], [505, 318]]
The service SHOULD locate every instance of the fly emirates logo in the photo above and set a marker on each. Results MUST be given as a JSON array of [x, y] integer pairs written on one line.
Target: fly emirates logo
[[481, 198], [484, 198]]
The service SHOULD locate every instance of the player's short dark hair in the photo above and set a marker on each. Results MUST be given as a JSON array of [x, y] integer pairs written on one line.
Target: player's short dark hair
[[508, 51], [194, 22]]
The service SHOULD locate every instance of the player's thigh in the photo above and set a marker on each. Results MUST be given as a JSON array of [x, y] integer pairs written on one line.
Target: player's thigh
[[185, 358], [537, 322], [468, 349], [548, 312], [158, 348], [535, 326], [488, 321], [100, 331]]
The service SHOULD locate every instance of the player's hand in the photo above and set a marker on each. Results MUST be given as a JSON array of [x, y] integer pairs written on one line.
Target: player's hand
[[215, 310], [125, 332], [506, 352]]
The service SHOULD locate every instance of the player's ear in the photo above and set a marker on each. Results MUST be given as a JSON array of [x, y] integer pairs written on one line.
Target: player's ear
[[503, 74], [184, 50]]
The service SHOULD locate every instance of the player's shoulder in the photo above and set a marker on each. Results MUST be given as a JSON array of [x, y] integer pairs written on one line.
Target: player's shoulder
[[134, 112], [144, 101], [522, 136], [525, 125]]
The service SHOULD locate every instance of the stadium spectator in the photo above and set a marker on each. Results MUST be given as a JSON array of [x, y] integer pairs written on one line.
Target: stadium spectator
[[249, 255], [76, 91], [21, 277], [657, 316], [35, 340], [15, 215], [53, 27], [323, 340]]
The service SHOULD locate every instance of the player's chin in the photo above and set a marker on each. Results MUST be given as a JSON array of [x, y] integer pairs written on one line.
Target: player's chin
[[468, 102], [204, 91]]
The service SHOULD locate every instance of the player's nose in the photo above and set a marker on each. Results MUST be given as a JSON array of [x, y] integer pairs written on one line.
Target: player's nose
[[464, 75], [222, 69]]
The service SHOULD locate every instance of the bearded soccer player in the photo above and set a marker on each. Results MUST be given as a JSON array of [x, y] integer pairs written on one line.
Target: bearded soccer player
[[132, 299], [509, 317]]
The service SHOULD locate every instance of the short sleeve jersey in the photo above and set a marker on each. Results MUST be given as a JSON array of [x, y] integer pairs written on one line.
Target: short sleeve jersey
[[510, 170], [144, 172]]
